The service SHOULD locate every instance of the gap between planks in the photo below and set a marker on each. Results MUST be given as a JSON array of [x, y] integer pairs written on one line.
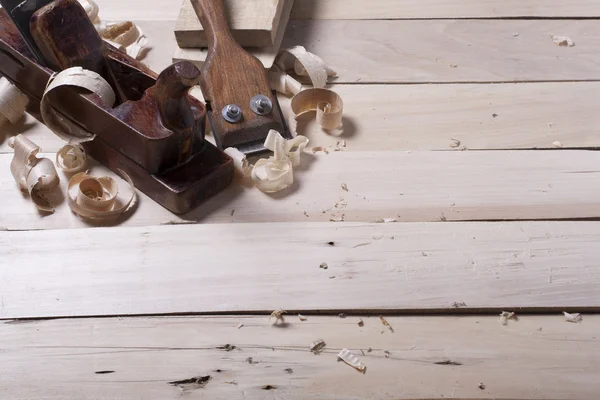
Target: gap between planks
[[537, 357], [238, 268]]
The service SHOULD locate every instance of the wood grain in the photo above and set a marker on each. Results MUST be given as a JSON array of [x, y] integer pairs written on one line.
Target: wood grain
[[253, 23], [451, 50], [260, 267], [385, 9], [538, 357], [426, 117], [416, 186]]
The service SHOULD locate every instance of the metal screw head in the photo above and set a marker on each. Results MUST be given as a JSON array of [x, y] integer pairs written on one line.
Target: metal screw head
[[261, 105], [232, 113]]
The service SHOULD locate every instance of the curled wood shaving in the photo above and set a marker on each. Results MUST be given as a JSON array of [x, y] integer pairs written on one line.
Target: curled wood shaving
[[505, 316], [317, 346], [36, 176], [361, 322], [346, 356], [455, 143], [557, 144], [278, 315], [328, 105], [304, 63], [12, 102], [563, 41], [125, 36], [275, 173], [71, 158], [284, 83], [78, 77], [302, 317], [575, 318], [385, 323], [93, 198]]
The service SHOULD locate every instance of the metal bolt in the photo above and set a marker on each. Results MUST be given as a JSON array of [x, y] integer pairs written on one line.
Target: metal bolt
[[261, 105], [232, 113]]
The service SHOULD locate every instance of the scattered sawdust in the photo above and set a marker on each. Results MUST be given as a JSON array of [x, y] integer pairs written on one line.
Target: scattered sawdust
[[317, 346], [369, 350], [196, 382], [481, 386], [443, 218], [563, 41], [377, 237], [289, 370], [323, 265], [387, 354], [344, 187], [331, 243], [447, 362], [362, 244], [385, 323], [453, 66], [455, 143], [386, 220], [361, 322], [278, 315], [232, 212], [227, 347], [240, 326], [575, 317], [305, 214], [515, 34], [231, 383], [557, 144], [550, 124], [505, 316], [459, 305], [250, 361], [316, 149], [302, 317], [494, 115], [342, 315]]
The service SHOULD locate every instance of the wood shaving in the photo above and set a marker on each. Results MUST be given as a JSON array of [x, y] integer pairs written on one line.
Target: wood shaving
[[505, 316], [275, 173], [302, 317], [12, 102], [344, 187], [563, 41], [385, 323], [283, 83], [361, 322], [71, 158], [574, 318], [323, 266], [342, 315], [35, 176], [459, 305], [316, 149], [317, 346], [278, 315], [387, 354], [453, 66], [125, 36], [327, 104], [240, 326], [481, 386], [386, 220], [304, 63], [455, 143], [346, 356], [557, 144], [77, 77], [97, 198], [362, 244], [251, 361], [515, 34]]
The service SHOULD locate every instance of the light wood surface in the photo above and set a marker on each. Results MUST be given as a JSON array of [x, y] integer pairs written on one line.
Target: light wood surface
[[451, 50], [537, 357], [253, 23], [384, 9], [397, 117], [415, 186], [263, 267]]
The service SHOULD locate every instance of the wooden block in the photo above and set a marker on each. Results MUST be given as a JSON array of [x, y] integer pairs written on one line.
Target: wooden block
[[265, 54], [254, 23]]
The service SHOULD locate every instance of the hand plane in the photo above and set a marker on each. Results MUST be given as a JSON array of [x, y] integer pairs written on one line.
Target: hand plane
[[155, 131], [242, 109]]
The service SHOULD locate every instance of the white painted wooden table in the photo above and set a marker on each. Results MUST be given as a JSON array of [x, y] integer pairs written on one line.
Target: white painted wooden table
[[505, 225]]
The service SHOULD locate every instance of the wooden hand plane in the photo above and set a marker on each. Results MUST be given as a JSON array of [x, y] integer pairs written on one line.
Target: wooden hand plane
[[154, 132]]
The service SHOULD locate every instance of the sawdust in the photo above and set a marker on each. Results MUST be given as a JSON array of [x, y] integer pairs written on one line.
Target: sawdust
[[361, 322], [575, 318], [344, 187], [385, 323], [505, 316], [302, 317], [317, 346], [562, 41], [557, 144], [323, 266], [278, 315], [455, 143]]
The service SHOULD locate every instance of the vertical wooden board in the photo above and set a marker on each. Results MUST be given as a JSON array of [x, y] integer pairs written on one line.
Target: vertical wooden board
[[537, 357], [253, 23]]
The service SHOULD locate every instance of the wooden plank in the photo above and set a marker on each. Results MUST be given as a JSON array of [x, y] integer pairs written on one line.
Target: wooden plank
[[451, 50], [265, 54], [252, 23], [415, 186], [538, 357], [385, 9], [260, 267], [426, 117]]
